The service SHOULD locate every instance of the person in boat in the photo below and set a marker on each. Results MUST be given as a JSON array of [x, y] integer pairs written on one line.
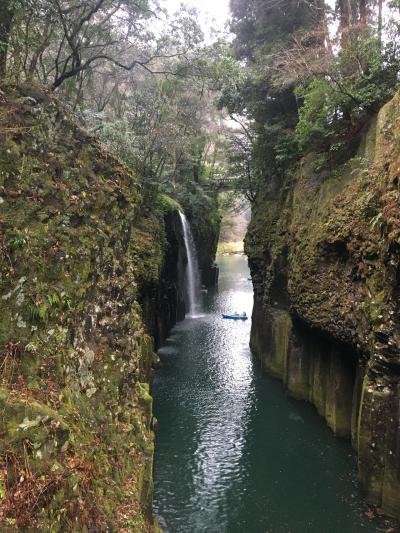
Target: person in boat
[[244, 313]]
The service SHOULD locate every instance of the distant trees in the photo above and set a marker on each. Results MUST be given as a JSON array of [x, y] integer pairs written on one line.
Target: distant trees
[[163, 128], [144, 82], [298, 76], [310, 77], [57, 40]]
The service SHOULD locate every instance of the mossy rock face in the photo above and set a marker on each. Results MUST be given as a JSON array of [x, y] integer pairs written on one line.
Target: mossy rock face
[[76, 248], [205, 221], [326, 249]]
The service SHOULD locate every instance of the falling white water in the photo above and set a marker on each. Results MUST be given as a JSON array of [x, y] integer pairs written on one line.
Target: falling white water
[[192, 268]]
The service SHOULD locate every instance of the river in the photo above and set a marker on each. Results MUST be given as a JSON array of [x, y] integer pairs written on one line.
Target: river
[[234, 453]]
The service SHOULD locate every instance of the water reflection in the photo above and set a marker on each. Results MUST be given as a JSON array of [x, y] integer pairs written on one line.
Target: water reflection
[[234, 454]]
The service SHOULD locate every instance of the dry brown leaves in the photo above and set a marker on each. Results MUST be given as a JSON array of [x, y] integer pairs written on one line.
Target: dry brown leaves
[[27, 492]]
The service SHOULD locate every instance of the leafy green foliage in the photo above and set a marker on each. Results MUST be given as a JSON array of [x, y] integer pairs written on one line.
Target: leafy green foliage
[[313, 127], [53, 302], [299, 89], [53, 298], [16, 243], [168, 204], [38, 311], [359, 80]]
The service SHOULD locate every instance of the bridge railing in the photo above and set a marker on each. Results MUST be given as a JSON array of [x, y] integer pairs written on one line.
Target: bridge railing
[[225, 183]]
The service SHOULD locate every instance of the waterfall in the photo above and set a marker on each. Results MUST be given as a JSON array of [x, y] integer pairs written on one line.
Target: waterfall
[[192, 268]]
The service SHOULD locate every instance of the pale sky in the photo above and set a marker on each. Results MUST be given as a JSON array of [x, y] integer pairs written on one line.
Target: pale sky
[[212, 12]]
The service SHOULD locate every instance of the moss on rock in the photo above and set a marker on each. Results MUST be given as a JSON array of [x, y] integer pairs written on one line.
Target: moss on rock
[[75, 248], [326, 249]]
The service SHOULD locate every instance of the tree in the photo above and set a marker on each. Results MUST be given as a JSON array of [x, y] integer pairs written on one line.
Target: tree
[[59, 41], [165, 128], [263, 32], [7, 10], [304, 88]]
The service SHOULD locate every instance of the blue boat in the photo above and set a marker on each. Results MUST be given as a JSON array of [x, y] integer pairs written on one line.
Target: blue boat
[[236, 316]]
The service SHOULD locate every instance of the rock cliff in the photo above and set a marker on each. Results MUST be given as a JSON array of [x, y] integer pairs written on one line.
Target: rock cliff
[[205, 222], [88, 273], [324, 252]]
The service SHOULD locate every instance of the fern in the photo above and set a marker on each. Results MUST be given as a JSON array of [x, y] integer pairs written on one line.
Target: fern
[[37, 312], [53, 299], [15, 243]]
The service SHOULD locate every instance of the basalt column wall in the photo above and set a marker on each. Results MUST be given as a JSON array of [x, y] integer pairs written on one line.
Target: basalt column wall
[[324, 252]]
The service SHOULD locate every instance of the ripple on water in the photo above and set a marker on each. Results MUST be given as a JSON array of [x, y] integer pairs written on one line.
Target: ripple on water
[[168, 350], [234, 454]]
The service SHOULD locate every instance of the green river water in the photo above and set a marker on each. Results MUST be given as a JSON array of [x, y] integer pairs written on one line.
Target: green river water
[[234, 453]]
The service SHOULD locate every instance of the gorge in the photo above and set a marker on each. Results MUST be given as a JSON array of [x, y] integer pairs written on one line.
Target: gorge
[[233, 450], [335, 356], [326, 282], [156, 173]]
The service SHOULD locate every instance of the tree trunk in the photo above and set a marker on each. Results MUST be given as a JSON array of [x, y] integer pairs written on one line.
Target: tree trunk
[[380, 2], [347, 18], [6, 18], [363, 14]]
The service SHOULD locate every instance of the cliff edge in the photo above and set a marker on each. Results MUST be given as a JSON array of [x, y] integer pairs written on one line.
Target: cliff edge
[[76, 246], [324, 251]]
